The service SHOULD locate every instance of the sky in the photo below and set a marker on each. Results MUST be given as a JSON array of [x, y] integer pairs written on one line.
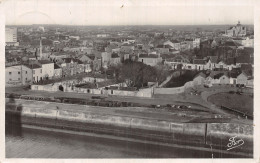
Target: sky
[[128, 12]]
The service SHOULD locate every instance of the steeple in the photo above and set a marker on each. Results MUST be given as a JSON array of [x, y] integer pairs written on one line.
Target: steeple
[[40, 47]]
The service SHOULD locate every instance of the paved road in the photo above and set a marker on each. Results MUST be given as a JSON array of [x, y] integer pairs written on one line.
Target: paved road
[[198, 103], [138, 112]]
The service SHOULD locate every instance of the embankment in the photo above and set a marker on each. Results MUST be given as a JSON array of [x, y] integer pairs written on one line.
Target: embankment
[[196, 134]]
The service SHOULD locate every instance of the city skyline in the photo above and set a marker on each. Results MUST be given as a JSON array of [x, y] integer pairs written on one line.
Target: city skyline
[[101, 13]]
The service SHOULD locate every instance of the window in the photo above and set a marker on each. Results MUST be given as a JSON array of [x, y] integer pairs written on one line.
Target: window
[[41, 70], [18, 72], [33, 71], [25, 72], [18, 78], [10, 73], [26, 79], [10, 79]]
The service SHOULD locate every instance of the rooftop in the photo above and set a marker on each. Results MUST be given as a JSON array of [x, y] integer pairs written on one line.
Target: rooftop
[[34, 66], [44, 62], [148, 56], [56, 66], [199, 61]]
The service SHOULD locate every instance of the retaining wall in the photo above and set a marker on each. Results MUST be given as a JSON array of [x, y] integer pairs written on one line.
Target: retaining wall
[[204, 133], [174, 90], [50, 88]]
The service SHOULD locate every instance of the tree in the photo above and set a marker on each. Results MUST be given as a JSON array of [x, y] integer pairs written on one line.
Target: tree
[[138, 74], [162, 72]]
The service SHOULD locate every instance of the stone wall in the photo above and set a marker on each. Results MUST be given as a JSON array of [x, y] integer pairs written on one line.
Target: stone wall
[[175, 90], [49, 88], [217, 134]]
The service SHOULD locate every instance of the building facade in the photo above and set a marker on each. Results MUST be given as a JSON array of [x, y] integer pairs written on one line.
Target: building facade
[[18, 75], [236, 31], [11, 37]]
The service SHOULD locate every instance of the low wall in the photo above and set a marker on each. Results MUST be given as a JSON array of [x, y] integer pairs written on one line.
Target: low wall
[[169, 90], [147, 92], [174, 90], [50, 88]]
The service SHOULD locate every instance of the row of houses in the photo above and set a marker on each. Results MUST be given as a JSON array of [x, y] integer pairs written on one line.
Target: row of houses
[[33, 72], [208, 63], [215, 77]]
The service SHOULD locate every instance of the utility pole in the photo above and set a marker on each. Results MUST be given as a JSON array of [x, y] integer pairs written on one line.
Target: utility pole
[[22, 74]]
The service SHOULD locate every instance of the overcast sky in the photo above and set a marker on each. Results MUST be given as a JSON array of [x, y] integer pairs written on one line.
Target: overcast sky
[[133, 12]]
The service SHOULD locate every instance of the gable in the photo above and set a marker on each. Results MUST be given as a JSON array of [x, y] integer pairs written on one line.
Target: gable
[[223, 77], [242, 76]]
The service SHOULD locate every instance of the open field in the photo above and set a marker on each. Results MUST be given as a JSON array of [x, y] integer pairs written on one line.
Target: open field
[[243, 102]]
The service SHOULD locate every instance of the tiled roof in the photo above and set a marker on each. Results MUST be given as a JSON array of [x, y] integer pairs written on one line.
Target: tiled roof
[[200, 74], [199, 61], [34, 66], [168, 46], [160, 46], [188, 39], [213, 59], [78, 61], [246, 66], [233, 75], [167, 56], [230, 61], [217, 76], [92, 57], [175, 41], [56, 66], [148, 56], [44, 62], [246, 73], [243, 59]]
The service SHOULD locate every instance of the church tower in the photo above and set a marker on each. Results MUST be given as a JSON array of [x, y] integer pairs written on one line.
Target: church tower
[[40, 48]]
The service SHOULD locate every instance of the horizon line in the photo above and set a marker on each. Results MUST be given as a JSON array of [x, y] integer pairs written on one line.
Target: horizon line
[[124, 25]]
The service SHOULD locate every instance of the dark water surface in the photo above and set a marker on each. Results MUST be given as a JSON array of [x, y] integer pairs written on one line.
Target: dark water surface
[[33, 143]]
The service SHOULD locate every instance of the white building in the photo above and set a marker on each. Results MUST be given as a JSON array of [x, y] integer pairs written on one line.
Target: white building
[[17, 75], [150, 59], [47, 69], [102, 35], [236, 31], [36, 72], [11, 37], [246, 41], [74, 37]]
